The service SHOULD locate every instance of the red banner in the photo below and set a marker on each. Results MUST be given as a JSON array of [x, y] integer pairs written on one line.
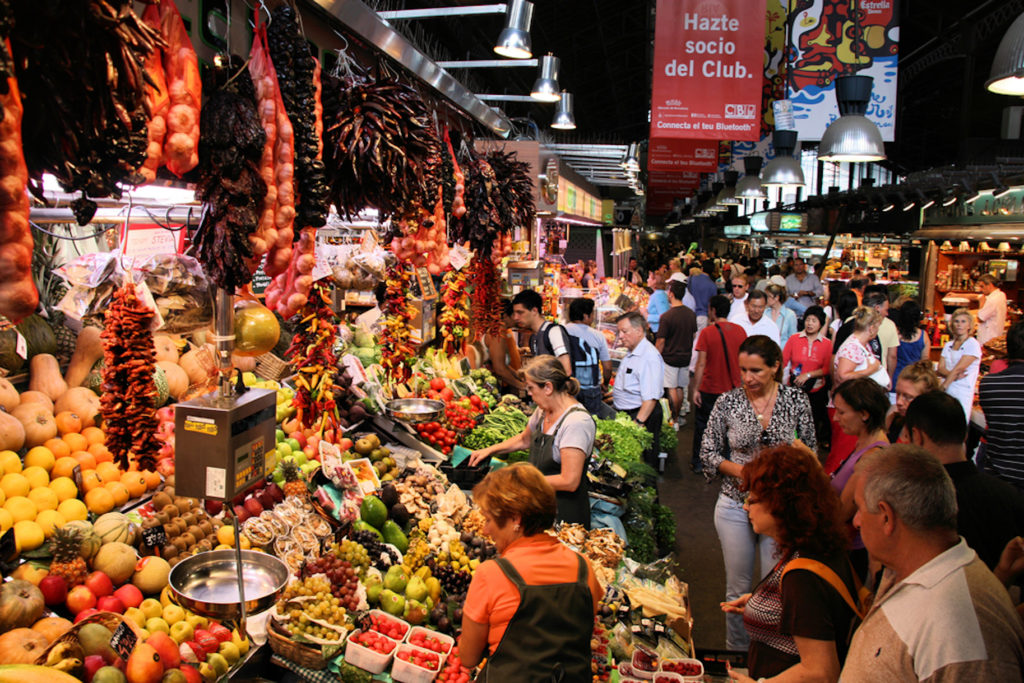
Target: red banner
[[661, 200], [708, 69], [673, 154], [680, 180]]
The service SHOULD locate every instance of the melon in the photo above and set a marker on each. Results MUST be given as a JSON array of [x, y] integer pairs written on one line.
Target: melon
[[90, 542], [163, 389], [113, 527], [116, 560], [94, 381], [151, 574]]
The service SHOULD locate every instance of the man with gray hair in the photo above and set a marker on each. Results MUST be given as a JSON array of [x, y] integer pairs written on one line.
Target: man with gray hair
[[939, 614], [639, 380]]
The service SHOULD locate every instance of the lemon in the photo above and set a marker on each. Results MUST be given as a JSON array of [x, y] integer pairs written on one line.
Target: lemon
[[15, 484], [40, 456], [44, 498], [28, 535], [73, 509], [6, 520], [10, 462], [64, 487], [48, 520], [21, 508]]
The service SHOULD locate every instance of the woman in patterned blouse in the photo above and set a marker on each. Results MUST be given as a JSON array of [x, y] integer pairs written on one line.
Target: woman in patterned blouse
[[759, 414], [799, 624]]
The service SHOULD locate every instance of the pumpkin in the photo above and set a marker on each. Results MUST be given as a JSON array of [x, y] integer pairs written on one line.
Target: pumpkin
[[166, 348], [37, 397], [177, 379], [199, 364], [38, 423], [21, 605], [44, 376], [22, 646], [9, 398], [81, 401], [88, 349], [12, 432], [52, 628]]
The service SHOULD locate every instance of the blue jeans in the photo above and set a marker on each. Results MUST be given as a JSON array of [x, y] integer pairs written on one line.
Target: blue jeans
[[794, 305], [739, 547]]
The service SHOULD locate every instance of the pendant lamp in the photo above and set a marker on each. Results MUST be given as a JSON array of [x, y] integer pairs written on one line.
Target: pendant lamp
[[713, 205], [749, 186], [564, 119], [514, 39], [545, 88], [853, 137], [1007, 75], [727, 197], [783, 171]]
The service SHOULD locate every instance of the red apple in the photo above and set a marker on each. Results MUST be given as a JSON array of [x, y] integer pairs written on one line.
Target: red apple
[[207, 641], [80, 598], [345, 443], [298, 436], [93, 663], [313, 441], [220, 632], [213, 507], [253, 507], [311, 453], [110, 603], [100, 584], [129, 595], [191, 674], [85, 614], [54, 588], [165, 646], [241, 513]]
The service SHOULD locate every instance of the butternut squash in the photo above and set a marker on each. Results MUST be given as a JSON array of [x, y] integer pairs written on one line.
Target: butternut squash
[[82, 401], [199, 364], [177, 378], [166, 348], [12, 432], [37, 397], [9, 398], [88, 350], [38, 423], [44, 376]]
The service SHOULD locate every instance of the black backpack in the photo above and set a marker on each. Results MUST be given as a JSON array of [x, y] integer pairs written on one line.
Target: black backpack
[[586, 361]]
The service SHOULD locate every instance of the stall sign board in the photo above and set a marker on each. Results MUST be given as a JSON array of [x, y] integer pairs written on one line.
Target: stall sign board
[[708, 69], [141, 241], [673, 155]]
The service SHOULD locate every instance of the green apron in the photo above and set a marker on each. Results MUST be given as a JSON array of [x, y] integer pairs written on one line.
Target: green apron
[[548, 637], [573, 506]]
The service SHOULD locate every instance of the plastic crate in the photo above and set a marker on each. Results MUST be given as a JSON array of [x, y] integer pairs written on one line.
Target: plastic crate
[[699, 676], [390, 617], [465, 476], [446, 640], [407, 672], [365, 658]]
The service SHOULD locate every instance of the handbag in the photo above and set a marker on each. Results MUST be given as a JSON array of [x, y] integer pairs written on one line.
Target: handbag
[[864, 598]]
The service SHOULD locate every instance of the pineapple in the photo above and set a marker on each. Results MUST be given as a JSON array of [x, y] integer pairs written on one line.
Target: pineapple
[[67, 562], [294, 484]]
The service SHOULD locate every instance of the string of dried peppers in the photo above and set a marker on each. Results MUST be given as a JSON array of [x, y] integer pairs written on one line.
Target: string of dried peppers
[[312, 355], [454, 318], [395, 347], [485, 309], [128, 401]]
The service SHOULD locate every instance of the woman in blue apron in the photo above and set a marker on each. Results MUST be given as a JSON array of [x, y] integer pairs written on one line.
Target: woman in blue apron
[[559, 436], [532, 608]]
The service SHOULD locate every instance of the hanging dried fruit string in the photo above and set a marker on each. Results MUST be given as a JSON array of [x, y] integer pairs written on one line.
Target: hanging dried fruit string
[[395, 347], [128, 402], [312, 355], [454, 319], [486, 309]]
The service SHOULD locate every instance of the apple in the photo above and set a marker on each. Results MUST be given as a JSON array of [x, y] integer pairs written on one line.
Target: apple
[[229, 651], [151, 607], [100, 584], [300, 458], [129, 595], [182, 631], [206, 640], [93, 663], [165, 646], [265, 499], [309, 467], [196, 621], [191, 652], [284, 449], [275, 492], [85, 614], [191, 674], [157, 624], [220, 632], [213, 507], [54, 589], [135, 615], [80, 598], [241, 513], [253, 507], [296, 440], [310, 453], [173, 614], [278, 435], [110, 603]]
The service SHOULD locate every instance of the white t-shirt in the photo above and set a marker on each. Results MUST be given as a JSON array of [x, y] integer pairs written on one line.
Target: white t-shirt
[[738, 306], [577, 431], [963, 389], [992, 317], [763, 326]]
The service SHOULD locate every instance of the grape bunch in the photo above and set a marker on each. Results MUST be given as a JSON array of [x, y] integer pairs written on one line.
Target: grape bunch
[[380, 555], [453, 581], [477, 548], [324, 606], [343, 579], [354, 554]]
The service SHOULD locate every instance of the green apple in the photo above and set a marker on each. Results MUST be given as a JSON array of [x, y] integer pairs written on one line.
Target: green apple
[[157, 624], [294, 443], [182, 631], [283, 450], [196, 621], [298, 456], [279, 435], [218, 662], [229, 651], [151, 607], [309, 467], [278, 476]]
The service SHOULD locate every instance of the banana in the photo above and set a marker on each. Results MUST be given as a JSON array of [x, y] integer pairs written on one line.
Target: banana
[[69, 665], [62, 651]]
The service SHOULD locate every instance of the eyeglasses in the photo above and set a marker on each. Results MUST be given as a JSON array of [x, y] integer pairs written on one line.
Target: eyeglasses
[[738, 286]]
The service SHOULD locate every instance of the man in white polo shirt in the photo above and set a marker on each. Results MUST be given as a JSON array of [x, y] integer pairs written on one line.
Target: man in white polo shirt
[[752, 318], [639, 382]]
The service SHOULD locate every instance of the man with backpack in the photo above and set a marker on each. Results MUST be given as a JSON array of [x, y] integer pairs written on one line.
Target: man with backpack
[[595, 364], [548, 338]]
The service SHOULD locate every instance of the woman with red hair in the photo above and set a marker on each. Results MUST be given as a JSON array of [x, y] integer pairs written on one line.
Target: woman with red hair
[[800, 617]]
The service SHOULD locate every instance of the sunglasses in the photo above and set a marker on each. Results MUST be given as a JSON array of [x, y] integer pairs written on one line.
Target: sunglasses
[[738, 286]]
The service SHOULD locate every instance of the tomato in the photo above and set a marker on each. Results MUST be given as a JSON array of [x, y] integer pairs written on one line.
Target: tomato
[[446, 394], [437, 384], [476, 401]]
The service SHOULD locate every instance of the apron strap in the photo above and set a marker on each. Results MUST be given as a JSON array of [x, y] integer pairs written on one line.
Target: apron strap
[[583, 574], [511, 573]]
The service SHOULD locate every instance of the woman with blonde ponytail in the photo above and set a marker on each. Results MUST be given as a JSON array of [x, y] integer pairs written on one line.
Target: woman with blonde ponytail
[[559, 436]]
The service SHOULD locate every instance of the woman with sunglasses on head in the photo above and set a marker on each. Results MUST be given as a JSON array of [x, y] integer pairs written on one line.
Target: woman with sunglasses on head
[[760, 413]]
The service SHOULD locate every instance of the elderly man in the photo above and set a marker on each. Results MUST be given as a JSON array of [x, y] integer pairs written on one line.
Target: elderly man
[[992, 315], [804, 288], [752, 319], [939, 613], [639, 381]]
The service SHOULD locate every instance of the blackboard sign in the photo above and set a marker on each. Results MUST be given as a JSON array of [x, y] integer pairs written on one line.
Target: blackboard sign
[[260, 279], [8, 547], [154, 537], [123, 641]]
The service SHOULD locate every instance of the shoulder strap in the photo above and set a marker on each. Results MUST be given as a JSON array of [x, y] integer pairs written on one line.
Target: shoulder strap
[[573, 409], [583, 575], [826, 573], [510, 572], [725, 348]]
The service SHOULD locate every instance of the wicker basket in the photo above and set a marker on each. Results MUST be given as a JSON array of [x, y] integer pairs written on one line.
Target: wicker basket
[[269, 366], [108, 619], [300, 653]]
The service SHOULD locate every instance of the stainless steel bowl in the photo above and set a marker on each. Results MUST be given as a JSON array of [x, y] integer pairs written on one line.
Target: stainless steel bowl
[[414, 410], [207, 583]]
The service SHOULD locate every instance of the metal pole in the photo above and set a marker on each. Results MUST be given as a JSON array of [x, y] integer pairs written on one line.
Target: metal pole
[[434, 12], [224, 324], [487, 64]]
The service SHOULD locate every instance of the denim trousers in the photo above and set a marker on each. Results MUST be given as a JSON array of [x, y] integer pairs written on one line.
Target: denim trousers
[[740, 545]]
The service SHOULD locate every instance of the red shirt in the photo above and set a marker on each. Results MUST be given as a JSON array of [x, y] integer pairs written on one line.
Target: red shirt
[[716, 378], [796, 354]]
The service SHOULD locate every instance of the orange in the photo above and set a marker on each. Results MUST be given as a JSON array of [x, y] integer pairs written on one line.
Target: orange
[[28, 535], [36, 476], [86, 459], [59, 447], [99, 500], [75, 441], [135, 482], [101, 452], [91, 480], [69, 422], [108, 471], [119, 491], [63, 467], [73, 509], [6, 520], [44, 498], [94, 435], [15, 484], [152, 480], [64, 487], [48, 520], [21, 508], [40, 456], [10, 461]]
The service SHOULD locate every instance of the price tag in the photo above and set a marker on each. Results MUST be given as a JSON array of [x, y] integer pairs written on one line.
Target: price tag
[[123, 641], [155, 537], [8, 547], [76, 476], [321, 269], [329, 450], [459, 257], [21, 346]]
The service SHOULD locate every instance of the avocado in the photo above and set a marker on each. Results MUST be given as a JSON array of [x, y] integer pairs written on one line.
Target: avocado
[[389, 495], [399, 513], [393, 534], [373, 512], [360, 525]]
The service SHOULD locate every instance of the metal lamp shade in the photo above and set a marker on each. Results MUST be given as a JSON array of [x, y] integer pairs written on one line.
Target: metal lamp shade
[[564, 120], [749, 187], [545, 88], [1007, 75], [783, 171], [514, 39], [852, 138], [727, 196]]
